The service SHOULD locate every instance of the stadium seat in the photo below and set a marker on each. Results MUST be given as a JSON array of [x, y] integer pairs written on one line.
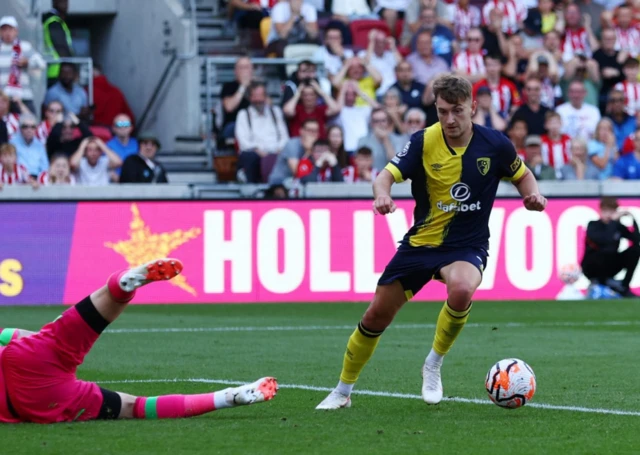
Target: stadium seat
[[265, 28], [300, 52], [360, 31]]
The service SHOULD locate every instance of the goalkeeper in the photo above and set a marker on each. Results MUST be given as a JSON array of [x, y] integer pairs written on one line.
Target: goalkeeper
[[38, 380]]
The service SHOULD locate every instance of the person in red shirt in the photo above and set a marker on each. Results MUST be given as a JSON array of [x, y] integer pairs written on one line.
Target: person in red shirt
[[304, 106], [11, 172], [556, 147], [362, 168], [108, 100], [505, 95], [38, 380], [320, 166]]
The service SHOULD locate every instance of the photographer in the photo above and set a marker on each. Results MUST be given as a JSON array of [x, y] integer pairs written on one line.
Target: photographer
[[602, 260]]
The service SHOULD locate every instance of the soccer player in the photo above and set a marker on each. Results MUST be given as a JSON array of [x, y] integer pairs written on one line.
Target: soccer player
[[38, 380], [454, 167]]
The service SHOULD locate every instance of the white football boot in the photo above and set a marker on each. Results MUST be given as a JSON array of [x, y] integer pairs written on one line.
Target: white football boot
[[157, 270], [264, 389], [431, 384], [335, 400]]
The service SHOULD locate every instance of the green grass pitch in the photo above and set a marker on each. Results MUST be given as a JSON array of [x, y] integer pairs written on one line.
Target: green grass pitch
[[585, 355]]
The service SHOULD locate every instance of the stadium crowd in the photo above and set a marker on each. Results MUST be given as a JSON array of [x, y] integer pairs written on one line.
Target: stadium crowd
[[74, 141], [560, 79]]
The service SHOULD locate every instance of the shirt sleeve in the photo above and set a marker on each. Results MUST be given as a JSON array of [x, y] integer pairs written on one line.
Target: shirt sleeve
[[510, 165], [279, 13], [404, 165], [309, 13]]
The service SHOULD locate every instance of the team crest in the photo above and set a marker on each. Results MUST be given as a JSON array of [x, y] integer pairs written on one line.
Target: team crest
[[483, 165]]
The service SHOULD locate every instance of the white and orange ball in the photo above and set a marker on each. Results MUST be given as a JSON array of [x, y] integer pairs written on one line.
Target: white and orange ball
[[511, 383], [569, 273]]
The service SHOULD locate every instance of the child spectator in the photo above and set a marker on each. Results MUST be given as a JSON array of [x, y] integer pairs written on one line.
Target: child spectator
[[556, 147], [602, 149], [362, 169], [59, 172], [505, 95], [320, 166], [92, 162], [579, 166], [630, 85], [11, 172]]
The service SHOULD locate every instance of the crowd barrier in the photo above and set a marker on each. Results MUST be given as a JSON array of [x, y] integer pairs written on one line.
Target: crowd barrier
[[267, 251]]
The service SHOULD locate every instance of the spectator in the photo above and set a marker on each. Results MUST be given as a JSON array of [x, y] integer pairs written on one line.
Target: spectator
[[234, 97], [122, 143], [249, 13], [517, 133], [464, 17], [59, 172], [411, 91], [353, 119], [306, 72], [579, 39], [92, 162], [495, 41], [392, 103], [30, 151], [553, 44], [623, 124], [548, 15], [321, 166], [4, 135], [586, 70], [390, 11], [486, 114], [630, 86], [362, 169], [603, 151], [516, 66], [335, 137], [383, 55], [533, 112], [108, 100], [69, 93], [260, 131], [57, 38], [12, 172], [11, 120], [534, 159], [470, 62], [531, 33], [442, 38], [63, 137], [304, 105], [425, 65], [381, 140], [556, 147], [296, 149], [348, 10], [17, 59], [505, 95], [364, 74], [53, 114], [293, 22], [578, 119], [594, 11], [610, 64], [628, 166], [143, 168], [514, 13], [414, 120], [332, 53], [627, 36], [579, 166], [544, 67]]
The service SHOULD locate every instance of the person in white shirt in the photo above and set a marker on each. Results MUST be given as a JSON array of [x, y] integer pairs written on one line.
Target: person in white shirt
[[292, 22], [383, 55], [332, 54], [579, 119], [349, 10], [391, 10], [260, 132], [92, 162], [354, 119]]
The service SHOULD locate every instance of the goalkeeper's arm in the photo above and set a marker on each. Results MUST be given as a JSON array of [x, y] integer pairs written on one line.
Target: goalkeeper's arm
[[8, 335]]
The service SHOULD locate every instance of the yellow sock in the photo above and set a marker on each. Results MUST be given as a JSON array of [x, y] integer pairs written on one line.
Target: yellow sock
[[362, 343], [449, 326]]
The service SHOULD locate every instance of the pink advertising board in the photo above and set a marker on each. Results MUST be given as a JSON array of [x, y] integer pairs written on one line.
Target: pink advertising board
[[308, 251]]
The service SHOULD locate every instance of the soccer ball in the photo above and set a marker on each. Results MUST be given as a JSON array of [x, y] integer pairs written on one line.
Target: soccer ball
[[569, 273], [511, 383]]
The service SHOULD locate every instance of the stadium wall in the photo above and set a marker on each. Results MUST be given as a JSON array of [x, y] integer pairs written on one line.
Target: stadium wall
[[267, 251]]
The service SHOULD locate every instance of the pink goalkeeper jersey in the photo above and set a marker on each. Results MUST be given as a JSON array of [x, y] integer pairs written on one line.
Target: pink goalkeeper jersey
[[5, 415]]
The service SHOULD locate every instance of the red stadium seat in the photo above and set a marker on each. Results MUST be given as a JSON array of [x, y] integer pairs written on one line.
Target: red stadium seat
[[360, 31]]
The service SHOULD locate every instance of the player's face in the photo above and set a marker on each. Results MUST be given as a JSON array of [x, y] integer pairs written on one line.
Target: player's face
[[455, 118]]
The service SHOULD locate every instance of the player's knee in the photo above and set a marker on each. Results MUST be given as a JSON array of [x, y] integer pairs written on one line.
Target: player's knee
[[460, 293]]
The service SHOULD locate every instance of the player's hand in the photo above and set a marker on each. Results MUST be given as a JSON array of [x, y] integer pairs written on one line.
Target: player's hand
[[535, 202], [383, 205]]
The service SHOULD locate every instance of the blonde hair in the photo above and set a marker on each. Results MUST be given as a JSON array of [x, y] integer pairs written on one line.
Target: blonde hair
[[603, 121], [7, 148]]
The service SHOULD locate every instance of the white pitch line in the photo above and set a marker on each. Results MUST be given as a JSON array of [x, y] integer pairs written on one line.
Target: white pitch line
[[375, 393], [302, 328]]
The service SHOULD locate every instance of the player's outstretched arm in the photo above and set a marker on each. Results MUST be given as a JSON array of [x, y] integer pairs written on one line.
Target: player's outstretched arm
[[528, 188], [382, 202], [7, 335]]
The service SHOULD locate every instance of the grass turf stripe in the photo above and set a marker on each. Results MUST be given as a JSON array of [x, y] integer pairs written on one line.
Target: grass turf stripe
[[551, 407]]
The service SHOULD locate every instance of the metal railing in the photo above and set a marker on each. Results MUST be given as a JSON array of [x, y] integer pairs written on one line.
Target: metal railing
[[85, 63], [212, 66]]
